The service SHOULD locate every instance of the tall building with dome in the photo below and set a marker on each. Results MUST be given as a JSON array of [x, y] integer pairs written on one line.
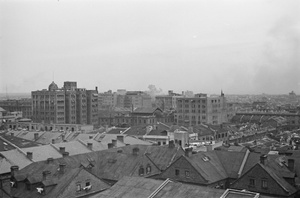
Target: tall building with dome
[[66, 105]]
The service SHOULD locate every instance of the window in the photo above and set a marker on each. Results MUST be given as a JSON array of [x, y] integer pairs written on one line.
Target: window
[[78, 187], [252, 182], [141, 171], [264, 183], [187, 173], [87, 183], [148, 169], [176, 172]]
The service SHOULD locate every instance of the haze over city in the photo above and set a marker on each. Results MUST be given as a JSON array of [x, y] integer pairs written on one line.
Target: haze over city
[[241, 47]]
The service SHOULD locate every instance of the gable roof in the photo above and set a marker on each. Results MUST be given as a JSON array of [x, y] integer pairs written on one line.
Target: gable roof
[[58, 182], [288, 188], [8, 142], [161, 156], [208, 165]]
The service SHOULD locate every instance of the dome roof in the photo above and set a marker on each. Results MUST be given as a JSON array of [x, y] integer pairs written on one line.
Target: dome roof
[[52, 86]]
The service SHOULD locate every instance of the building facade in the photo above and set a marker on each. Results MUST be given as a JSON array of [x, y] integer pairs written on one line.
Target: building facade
[[70, 105], [201, 109]]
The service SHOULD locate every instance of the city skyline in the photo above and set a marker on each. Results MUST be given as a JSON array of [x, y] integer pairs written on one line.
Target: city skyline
[[249, 47]]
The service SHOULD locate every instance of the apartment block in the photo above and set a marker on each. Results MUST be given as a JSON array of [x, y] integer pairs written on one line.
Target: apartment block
[[69, 104], [201, 109]]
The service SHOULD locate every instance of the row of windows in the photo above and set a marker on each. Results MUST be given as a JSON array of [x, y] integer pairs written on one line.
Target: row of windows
[[186, 173], [264, 183]]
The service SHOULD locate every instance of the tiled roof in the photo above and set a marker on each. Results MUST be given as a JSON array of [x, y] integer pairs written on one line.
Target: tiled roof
[[109, 165], [40, 153], [107, 138], [162, 156], [60, 184], [73, 147], [146, 110], [16, 157], [8, 142], [116, 130], [155, 129], [129, 187], [208, 166]]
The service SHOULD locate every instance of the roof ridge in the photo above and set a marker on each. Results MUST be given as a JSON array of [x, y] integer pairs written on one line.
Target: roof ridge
[[159, 188], [268, 170], [80, 141], [66, 183]]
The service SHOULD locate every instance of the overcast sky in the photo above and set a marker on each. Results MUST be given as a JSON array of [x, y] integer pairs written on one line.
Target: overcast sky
[[240, 46]]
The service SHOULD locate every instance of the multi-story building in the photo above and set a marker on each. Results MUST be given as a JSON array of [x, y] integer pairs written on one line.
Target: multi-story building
[[23, 105], [167, 102], [70, 105], [107, 100], [201, 109], [137, 99]]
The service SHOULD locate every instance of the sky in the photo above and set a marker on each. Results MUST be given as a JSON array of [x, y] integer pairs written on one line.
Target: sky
[[239, 46]]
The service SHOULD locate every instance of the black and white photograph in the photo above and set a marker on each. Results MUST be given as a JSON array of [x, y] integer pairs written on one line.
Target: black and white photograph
[[149, 99]]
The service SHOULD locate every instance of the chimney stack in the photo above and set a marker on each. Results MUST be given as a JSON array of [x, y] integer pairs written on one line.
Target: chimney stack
[[96, 88], [110, 145], [53, 141], [291, 165], [65, 154], [114, 142], [62, 168], [63, 137], [62, 149], [120, 138], [90, 145], [263, 159], [49, 160], [12, 134], [36, 136], [135, 151], [29, 155], [46, 175], [171, 144], [90, 137], [13, 170], [188, 152]]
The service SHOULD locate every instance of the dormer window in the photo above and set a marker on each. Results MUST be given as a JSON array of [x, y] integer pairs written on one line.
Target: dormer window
[[78, 187], [141, 171], [148, 169]]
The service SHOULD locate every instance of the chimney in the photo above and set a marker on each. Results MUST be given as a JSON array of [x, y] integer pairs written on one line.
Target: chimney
[[190, 129], [49, 160], [63, 137], [209, 147], [263, 159], [291, 165], [29, 155], [13, 170], [110, 145], [90, 145], [96, 88], [62, 168], [90, 137], [171, 144], [65, 154], [188, 152], [12, 134], [114, 142], [36, 136], [120, 138], [53, 141], [62, 149], [46, 175], [135, 151]]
